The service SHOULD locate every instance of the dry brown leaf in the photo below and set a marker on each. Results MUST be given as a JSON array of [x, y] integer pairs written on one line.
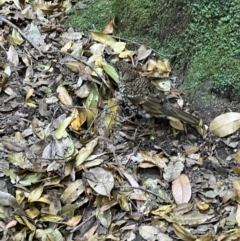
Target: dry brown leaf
[[109, 28], [83, 91], [173, 170], [29, 101], [64, 96], [3, 81], [89, 234], [151, 233], [188, 219], [181, 189], [12, 56], [153, 160], [72, 192], [183, 208], [182, 233], [143, 52], [225, 124], [100, 180]]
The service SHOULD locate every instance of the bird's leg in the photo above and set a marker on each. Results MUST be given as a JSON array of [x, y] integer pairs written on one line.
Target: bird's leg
[[127, 119]]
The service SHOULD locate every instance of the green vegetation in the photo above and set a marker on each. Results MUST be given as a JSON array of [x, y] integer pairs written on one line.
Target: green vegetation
[[205, 34], [214, 33], [95, 16]]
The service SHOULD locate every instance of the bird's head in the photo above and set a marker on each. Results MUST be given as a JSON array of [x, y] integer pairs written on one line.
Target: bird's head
[[124, 70]]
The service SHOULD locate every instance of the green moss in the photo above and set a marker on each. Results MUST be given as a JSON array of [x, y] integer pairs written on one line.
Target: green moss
[[216, 34], [154, 22], [95, 16], [204, 34]]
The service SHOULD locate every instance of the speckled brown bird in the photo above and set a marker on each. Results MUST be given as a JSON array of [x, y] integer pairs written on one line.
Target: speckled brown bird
[[144, 98]]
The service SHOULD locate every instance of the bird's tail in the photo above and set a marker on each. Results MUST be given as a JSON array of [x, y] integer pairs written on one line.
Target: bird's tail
[[180, 114]]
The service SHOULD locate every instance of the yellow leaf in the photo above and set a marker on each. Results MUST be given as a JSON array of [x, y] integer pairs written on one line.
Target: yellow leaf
[[32, 212], [202, 206], [85, 152], [29, 94], [51, 218], [125, 54], [73, 221], [80, 118], [118, 47], [15, 39], [163, 67], [167, 65], [110, 117], [35, 194], [29, 101], [75, 66], [183, 233], [61, 130], [176, 124], [103, 38], [63, 96], [67, 46]]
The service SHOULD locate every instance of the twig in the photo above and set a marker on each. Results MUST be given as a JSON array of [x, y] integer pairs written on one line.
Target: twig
[[80, 225], [139, 44], [90, 126], [140, 188], [87, 64], [47, 158], [21, 32]]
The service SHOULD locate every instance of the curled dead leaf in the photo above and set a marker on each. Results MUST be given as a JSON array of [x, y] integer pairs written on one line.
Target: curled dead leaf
[[64, 96]]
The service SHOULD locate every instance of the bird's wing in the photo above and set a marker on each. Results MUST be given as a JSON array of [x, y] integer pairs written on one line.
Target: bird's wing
[[157, 107], [149, 103]]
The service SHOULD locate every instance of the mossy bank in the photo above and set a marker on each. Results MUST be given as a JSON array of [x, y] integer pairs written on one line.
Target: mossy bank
[[201, 37]]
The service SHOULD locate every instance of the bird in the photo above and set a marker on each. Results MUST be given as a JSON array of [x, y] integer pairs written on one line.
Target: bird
[[142, 97]]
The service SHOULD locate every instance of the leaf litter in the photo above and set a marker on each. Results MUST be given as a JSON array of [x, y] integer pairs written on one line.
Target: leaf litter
[[75, 166]]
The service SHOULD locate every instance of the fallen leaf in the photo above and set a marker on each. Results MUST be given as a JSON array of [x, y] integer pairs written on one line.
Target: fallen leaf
[[12, 56], [182, 233], [85, 152], [181, 189], [109, 28], [100, 180], [151, 233], [72, 192], [64, 96], [225, 124]]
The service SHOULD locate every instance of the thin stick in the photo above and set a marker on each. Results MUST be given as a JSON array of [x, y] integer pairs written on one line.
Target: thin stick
[[139, 44], [87, 64], [80, 225], [140, 188], [21, 32]]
